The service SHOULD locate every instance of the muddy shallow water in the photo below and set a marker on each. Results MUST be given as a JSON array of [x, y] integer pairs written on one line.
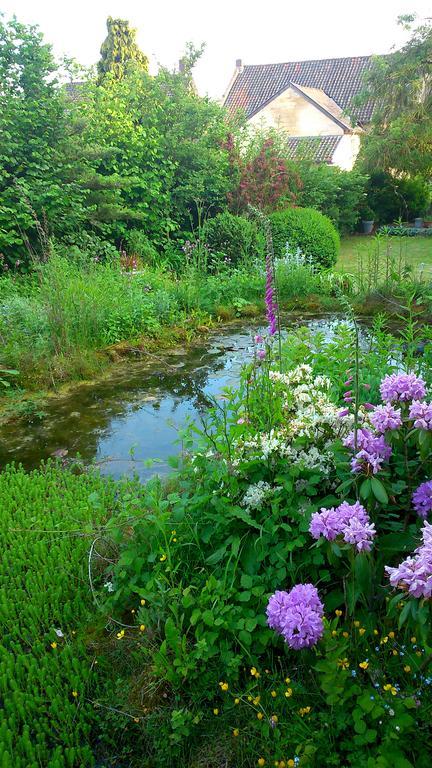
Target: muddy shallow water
[[134, 414]]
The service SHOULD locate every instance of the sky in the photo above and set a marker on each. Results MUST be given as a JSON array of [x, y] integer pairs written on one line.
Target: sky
[[258, 33]]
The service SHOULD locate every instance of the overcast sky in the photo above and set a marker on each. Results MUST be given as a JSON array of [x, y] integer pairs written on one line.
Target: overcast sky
[[259, 33]]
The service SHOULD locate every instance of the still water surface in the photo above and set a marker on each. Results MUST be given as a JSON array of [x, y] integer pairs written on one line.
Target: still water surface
[[139, 406]]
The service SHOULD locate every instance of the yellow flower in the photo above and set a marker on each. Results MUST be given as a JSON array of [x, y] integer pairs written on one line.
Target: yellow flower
[[364, 664], [287, 680], [413, 639], [142, 601], [236, 701], [356, 623], [215, 711], [260, 715], [236, 732], [343, 663], [142, 627], [288, 692], [384, 640], [304, 711], [376, 632], [173, 533], [261, 761], [394, 652], [391, 634], [54, 645], [418, 653], [120, 635], [362, 631], [74, 694], [254, 672], [407, 668], [174, 540], [136, 719], [290, 763], [223, 686], [334, 633], [338, 613], [273, 694], [391, 688], [163, 558], [274, 719], [345, 634], [133, 610], [256, 700], [249, 698]]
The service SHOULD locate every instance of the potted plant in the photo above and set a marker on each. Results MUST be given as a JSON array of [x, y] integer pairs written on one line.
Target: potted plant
[[367, 217]]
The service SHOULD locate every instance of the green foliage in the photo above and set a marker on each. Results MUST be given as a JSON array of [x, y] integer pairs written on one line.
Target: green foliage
[[119, 51], [392, 198], [235, 237], [307, 229], [399, 138], [336, 193], [401, 231], [46, 519]]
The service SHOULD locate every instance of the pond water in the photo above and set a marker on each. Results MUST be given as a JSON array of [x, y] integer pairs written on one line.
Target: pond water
[[132, 415]]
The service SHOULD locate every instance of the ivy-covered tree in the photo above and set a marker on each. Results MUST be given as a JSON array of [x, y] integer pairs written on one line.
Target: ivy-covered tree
[[120, 50], [400, 85]]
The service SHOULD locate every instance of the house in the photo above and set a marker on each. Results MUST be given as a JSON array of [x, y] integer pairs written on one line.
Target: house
[[308, 100]]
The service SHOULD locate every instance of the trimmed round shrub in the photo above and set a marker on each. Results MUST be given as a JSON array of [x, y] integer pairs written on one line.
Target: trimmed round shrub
[[235, 237], [307, 229]]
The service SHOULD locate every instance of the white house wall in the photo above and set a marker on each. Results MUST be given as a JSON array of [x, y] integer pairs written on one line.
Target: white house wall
[[297, 116], [346, 151]]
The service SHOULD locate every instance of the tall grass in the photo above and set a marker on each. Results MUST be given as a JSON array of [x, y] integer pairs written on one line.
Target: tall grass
[[54, 322]]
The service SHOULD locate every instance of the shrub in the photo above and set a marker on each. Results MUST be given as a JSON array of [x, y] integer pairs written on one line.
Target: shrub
[[401, 231], [392, 198], [335, 193], [307, 229], [236, 237], [138, 244]]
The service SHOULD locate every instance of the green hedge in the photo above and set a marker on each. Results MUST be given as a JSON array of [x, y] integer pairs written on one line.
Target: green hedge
[[307, 229], [235, 237]]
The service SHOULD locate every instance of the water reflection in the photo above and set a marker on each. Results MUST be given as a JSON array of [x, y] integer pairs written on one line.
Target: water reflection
[[139, 407]]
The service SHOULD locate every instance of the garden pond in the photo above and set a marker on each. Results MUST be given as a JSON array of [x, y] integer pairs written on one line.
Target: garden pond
[[133, 415]]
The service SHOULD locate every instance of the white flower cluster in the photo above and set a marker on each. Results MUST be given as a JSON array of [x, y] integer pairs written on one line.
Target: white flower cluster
[[308, 413], [257, 494]]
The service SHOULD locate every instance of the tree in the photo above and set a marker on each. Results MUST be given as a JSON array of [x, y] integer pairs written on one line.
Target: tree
[[400, 85], [119, 51]]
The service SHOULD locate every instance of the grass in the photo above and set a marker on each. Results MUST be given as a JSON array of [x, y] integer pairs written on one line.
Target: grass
[[411, 250]]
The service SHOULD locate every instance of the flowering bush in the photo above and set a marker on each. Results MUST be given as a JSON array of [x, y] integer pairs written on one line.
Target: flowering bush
[[257, 579]]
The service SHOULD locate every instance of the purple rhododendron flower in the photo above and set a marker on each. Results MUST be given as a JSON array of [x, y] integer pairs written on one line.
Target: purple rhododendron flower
[[325, 523], [422, 499], [414, 574], [351, 521], [401, 387], [386, 417], [421, 413], [360, 534], [297, 615], [373, 451]]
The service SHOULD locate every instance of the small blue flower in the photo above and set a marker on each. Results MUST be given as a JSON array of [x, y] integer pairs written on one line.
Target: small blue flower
[[353, 673]]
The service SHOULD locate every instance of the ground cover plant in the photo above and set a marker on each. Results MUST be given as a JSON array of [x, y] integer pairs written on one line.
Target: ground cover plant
[[49, 675]]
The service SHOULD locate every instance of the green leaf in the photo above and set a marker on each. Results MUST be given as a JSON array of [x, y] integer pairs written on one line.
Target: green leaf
[[379, 491]]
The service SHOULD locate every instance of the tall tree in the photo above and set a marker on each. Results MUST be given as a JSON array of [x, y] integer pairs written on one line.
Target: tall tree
[[120, 50], [400, 85]]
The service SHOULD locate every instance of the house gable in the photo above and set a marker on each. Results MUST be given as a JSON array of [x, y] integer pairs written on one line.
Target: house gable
[[299, 114]]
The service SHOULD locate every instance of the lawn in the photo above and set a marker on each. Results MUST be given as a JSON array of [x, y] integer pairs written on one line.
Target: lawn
[[410, 250]]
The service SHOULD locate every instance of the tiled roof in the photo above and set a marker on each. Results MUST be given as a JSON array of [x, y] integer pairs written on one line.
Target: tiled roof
[[320, 149], [341, 79]]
